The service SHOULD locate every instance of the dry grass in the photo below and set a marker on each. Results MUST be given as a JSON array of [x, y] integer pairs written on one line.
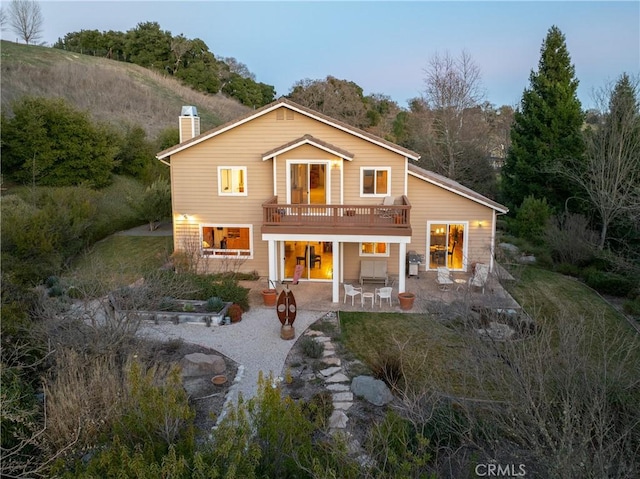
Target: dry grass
[[113, 92], [83, 399]]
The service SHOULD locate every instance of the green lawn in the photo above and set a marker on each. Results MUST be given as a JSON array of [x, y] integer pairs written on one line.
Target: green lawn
[[452, 360], [120, 260], [434, 355]]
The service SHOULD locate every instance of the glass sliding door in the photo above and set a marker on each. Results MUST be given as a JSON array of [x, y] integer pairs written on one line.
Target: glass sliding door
[[315, 258], [446, 245], [308, 183]]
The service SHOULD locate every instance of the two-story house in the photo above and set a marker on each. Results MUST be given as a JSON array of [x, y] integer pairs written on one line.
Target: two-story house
[[287, 191]]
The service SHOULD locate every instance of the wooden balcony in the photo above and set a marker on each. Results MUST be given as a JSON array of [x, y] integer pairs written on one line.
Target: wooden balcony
[[337, 219]]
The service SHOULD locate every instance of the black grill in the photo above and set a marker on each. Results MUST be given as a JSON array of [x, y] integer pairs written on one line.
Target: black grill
[[414, 260]]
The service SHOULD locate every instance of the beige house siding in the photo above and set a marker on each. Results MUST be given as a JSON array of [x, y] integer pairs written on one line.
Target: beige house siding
[[432, 203], [194, 183], [194, 175], [352, 258]]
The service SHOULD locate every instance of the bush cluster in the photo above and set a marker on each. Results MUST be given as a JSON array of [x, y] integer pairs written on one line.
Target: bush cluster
[[610, 283], [311, 348]]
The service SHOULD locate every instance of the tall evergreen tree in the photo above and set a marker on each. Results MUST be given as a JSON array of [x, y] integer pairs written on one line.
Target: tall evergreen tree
[[546, 133]]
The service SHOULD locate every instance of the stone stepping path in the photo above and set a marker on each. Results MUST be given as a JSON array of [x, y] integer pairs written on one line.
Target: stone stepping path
[[335, 381]]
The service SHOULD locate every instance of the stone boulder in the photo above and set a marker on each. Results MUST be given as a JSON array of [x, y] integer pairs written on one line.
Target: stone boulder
[[371, 389], [200, 364]]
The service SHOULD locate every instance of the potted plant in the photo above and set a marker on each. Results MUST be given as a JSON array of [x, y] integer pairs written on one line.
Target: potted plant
[[269, 295], [235, 312], [406, 300]]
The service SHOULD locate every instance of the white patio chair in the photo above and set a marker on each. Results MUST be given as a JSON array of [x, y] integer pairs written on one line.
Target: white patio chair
[[383, 293], [479, 278], [349, 290], [444, 278]]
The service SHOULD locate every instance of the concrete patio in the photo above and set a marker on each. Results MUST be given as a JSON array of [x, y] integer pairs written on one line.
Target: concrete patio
[[316, 296]]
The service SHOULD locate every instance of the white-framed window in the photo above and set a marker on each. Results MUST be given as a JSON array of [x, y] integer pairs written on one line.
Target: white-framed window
[[375, 181], [374, 249], [232, 180], [224, 241]]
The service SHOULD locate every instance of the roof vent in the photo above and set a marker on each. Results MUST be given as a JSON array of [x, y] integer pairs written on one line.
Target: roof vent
[[189, 111]]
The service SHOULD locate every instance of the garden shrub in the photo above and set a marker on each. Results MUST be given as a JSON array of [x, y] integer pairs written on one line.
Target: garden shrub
[[319, 408], [445, 425], [157, 413], [311, 348], [202, 287], [229, 290], [188, 308], [398, 449], [570, 240], [214, 304], [609, 283], [632, 306], [531, 219], [289, 443], [569, 269]]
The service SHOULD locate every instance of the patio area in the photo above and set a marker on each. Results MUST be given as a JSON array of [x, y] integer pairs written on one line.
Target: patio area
[[316, 296]]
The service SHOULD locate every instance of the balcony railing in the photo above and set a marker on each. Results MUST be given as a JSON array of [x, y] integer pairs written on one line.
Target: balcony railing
[[345, 216]]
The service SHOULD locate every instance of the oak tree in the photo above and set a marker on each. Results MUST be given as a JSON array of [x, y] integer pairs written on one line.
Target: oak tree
[[25, 17], [610, 173]]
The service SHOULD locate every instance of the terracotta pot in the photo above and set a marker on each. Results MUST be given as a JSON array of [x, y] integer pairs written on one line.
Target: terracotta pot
[[406, 300], [219, 380], [269, 296]]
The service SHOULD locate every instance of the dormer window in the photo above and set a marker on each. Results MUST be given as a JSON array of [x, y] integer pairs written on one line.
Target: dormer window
[[232, 180], [375, 181]]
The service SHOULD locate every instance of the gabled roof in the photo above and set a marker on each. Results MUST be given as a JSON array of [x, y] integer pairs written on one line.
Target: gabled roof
[[309, 140], [455, 187], [284, 102]]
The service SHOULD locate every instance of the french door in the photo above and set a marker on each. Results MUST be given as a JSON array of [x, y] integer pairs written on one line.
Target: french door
[[308, 183]]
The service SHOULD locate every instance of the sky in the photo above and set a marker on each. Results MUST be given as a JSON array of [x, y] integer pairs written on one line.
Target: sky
[[382, 46]]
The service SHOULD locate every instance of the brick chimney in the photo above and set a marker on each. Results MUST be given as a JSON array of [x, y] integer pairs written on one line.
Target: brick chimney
[[189, 123]]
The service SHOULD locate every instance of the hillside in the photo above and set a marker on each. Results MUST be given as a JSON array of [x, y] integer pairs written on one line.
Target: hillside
[[115, 92]]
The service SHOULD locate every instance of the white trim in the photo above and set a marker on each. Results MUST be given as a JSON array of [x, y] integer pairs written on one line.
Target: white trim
[[232, 193], [406, 176], [458, 192], [374, 255], [290, 107], [327, 175], [465, 244], [275, 176], [493, 241], [402, 267], [337, 268], [307, 141], [334, 237], [375, 171]]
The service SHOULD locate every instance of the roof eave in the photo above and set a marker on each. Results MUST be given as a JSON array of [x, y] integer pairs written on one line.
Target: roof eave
[[283, 102]]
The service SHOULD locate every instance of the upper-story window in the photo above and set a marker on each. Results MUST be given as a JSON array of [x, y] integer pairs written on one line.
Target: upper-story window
[[375, 181], [232, 180]]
